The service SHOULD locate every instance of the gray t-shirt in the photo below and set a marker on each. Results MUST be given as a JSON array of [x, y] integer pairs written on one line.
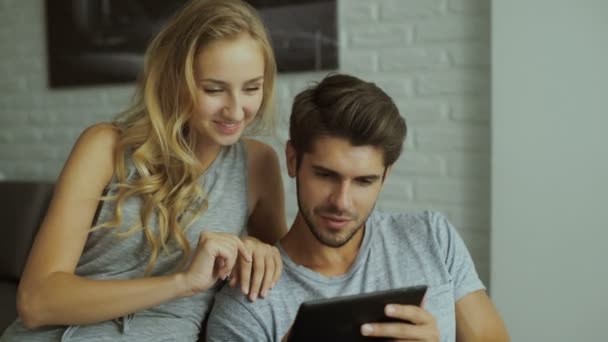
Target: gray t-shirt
[[398, 250]]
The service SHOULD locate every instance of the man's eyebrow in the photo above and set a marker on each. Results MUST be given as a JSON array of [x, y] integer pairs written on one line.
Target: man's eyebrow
[[319, 168], [213, 80], [323, 169]]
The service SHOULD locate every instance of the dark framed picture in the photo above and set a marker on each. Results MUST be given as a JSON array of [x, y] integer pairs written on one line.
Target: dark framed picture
[[103, 41]]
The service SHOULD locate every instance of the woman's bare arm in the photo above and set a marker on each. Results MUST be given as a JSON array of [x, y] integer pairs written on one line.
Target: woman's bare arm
[[50, 293]]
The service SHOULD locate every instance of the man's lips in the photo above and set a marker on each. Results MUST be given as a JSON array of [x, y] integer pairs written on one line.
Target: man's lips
[[335, 222]]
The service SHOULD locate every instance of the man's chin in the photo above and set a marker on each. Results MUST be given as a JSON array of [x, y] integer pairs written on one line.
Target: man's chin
[[334, 239], [332, 243]]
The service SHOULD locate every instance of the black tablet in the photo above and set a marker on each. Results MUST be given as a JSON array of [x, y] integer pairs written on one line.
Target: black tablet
[[340, 318]]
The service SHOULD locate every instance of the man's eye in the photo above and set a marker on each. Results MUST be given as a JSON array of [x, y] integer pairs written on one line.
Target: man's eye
[[366, 182], [252, 89], [322, 174]]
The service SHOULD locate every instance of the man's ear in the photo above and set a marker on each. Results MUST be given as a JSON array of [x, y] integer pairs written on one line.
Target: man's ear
[[291, 158]]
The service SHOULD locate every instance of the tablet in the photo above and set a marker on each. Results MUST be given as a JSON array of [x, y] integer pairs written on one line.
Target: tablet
[[340, 318]]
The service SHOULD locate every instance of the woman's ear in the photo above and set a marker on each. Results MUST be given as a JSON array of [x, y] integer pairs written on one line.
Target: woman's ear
[[291, 159]]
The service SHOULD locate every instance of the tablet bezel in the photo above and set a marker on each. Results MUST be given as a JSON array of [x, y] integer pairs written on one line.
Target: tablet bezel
[[340, 318]]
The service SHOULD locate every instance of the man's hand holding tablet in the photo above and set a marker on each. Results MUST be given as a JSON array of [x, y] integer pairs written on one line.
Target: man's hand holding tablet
[[392, 314]]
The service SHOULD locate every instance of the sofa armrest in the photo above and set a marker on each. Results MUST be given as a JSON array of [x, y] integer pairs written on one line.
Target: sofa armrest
[[23, 205]]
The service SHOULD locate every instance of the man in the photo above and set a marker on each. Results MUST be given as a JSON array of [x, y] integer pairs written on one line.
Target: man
[[345, 135]]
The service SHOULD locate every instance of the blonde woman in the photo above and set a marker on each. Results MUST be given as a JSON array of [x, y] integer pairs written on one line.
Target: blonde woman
[[178, 186]]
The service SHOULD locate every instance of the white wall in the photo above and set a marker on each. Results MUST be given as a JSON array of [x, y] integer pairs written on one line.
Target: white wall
[[549, 269]]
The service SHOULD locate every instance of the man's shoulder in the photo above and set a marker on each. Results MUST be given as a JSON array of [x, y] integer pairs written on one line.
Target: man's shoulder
[[415, 222], [234, 317], [231, 304], [425, 231], [235, 298]]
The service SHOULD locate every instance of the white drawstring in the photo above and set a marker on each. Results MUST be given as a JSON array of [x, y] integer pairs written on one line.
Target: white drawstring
[[123, 321]]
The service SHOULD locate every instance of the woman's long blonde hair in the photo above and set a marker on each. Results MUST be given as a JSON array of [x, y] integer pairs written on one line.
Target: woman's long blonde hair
[[154, 131]]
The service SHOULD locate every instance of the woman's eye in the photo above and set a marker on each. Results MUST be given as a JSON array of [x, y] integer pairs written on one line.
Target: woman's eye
[[252, 89], [212, 90]]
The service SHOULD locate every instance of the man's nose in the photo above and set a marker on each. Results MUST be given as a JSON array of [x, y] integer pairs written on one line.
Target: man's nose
[[340, 196]]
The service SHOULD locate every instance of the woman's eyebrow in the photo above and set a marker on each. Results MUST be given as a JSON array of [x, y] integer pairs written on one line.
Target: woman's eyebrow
[[212, 80]]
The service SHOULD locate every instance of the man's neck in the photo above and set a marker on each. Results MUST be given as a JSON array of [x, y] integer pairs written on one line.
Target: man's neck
[[305, 250]]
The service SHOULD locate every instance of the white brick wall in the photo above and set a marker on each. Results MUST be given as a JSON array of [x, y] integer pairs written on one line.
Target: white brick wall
[[431, 56]]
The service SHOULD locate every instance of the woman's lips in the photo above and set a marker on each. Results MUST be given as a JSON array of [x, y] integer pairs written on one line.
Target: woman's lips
[[227, 128]]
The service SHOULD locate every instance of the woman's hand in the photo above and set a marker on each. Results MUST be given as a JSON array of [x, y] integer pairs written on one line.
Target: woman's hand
[[214, 259], [257, 277]]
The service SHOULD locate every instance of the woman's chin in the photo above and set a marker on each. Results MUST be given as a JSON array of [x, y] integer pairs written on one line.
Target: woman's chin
[[220, 138], [227, 140]]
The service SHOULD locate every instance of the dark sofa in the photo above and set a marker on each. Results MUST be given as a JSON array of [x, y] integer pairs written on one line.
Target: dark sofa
[[22, 208]]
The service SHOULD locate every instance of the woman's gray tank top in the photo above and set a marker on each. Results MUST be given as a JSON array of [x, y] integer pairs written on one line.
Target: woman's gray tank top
[[108, 256]]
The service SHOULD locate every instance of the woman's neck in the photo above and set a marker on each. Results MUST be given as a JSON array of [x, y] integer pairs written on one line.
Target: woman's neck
[[206, 154]]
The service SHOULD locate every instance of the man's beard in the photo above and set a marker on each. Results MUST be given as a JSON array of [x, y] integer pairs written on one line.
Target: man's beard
[[329, 241]]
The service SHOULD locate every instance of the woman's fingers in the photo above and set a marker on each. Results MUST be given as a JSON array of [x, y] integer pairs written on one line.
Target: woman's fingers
[[244, 274], [244, 252], [278, 269], [234, 278], [269, 271], [214, 258], [257, 275]]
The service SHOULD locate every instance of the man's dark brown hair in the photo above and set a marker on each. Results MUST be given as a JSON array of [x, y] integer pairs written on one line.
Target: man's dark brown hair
[[346, 107]]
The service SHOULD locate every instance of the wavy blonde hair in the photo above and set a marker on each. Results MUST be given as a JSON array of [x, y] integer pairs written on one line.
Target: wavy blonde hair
[[155, 132]]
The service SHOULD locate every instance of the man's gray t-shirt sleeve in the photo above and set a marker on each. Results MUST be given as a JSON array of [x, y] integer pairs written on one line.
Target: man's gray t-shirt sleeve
[[230, 320], [457, 258]]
